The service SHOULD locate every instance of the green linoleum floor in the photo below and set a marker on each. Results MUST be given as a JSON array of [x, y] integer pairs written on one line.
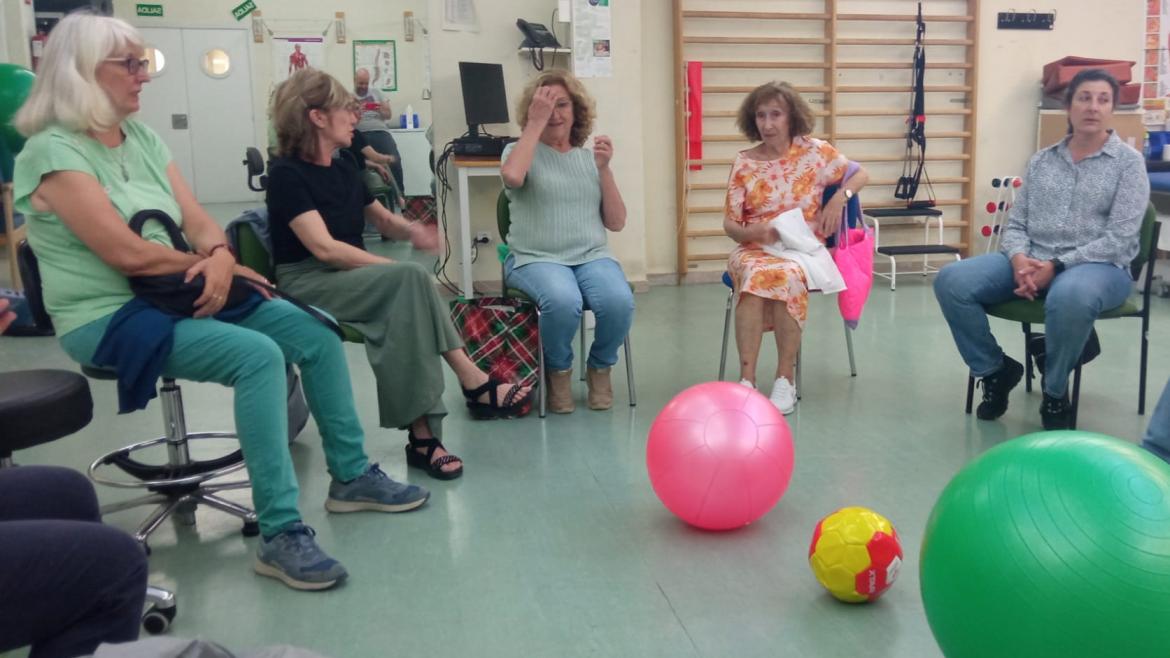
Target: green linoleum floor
[[553, 543]]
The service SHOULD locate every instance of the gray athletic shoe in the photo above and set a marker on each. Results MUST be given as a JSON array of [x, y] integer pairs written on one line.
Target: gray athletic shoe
[[375, 491], [294, 558]]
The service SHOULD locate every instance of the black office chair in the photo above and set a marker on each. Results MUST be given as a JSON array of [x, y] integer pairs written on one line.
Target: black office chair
[[180, 484]]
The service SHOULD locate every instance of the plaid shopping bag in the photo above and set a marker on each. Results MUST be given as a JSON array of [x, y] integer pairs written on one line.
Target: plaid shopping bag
[[501, 335], [420, 208]]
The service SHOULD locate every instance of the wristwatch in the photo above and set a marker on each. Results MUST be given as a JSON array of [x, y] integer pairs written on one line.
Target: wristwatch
[[1057, 266]]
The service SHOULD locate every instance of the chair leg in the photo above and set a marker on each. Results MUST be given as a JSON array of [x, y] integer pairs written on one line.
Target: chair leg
[[849, 347], [726, 330], [542, 384], [970, 392], [1076, 397], [796, 367], [1145, 353], [583, 345], [1028, 371], [630, 373], [893, 273]]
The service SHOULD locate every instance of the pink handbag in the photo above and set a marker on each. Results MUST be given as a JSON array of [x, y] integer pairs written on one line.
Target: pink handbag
[[854, 258]]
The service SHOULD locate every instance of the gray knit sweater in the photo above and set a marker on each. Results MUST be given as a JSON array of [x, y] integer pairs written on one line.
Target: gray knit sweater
[[1085, 212], [556, 213]]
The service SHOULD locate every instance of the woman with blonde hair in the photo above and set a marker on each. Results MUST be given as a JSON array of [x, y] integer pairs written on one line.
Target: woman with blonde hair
[[787, 170], [317, 210], [86, 169], [563, 198]]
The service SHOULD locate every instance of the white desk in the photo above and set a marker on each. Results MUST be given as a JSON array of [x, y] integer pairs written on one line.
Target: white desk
[[468, 166]]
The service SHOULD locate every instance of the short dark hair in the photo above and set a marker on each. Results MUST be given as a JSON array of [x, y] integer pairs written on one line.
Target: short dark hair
[[800, 115], [1091, 75]]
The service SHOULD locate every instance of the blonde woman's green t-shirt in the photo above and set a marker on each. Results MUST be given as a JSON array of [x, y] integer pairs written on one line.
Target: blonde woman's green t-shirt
[[78, 286]]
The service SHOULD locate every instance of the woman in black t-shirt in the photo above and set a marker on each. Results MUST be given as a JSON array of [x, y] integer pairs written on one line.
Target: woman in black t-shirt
[[317, 208]]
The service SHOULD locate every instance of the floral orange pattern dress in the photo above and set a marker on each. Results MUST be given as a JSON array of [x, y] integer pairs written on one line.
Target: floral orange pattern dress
[[759, 191]]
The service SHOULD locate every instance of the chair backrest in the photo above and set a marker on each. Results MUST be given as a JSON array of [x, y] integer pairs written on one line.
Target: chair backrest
[[30, 273], [254, 254], [1149, 242], [503, 216]]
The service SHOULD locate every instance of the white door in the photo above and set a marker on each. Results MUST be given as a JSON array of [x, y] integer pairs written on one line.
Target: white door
[[219, 97], [164, 98], [201, 105]]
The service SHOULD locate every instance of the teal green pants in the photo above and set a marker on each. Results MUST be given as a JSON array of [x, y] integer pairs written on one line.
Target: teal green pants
[[250, 358]]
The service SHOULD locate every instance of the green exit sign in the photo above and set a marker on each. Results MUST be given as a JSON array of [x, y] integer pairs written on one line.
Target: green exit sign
[[244, 9], [150, 10]]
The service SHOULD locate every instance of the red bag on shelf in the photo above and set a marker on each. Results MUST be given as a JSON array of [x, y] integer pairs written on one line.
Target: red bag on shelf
[[1058, 74]]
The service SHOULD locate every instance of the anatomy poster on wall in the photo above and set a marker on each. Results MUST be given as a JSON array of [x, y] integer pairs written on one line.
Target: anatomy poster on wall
[[291, 54], [380, 58], [592, 34]]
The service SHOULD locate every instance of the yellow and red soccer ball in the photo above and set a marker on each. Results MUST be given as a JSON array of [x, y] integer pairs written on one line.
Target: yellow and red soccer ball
[[855, 553]]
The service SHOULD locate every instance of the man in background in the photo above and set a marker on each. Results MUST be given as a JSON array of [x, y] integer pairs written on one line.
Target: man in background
[[374, 123]]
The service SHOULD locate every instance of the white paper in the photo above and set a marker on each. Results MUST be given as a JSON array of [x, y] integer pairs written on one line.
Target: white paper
[[291, 54], [459, 15], [592, 39]]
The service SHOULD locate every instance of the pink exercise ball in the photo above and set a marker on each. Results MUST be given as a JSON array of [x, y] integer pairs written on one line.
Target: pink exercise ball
[[719, 455]]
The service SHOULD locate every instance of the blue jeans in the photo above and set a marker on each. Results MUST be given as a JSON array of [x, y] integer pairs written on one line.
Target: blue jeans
[[1072, 303], [1157, 439], [560, 290]]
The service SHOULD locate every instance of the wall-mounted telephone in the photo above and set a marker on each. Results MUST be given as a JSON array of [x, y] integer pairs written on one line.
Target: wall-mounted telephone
[[536, 35]]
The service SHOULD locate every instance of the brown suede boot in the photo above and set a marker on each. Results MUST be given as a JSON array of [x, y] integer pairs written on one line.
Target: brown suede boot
[[600, 388], [560, 391]]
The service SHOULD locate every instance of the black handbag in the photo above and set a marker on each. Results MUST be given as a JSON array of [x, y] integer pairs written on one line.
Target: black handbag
[[171, 294]]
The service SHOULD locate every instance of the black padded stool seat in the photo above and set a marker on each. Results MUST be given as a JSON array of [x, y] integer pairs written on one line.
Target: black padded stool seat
[[38, 406]]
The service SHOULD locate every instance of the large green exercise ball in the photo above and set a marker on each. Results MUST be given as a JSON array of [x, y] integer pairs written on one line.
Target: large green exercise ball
[[1053, 544], [15, 83]]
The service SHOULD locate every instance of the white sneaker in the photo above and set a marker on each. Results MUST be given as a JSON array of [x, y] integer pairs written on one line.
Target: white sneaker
[[784, 395], [744, 382]]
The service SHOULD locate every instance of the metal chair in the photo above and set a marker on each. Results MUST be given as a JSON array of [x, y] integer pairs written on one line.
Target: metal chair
[[503, 223], [1028, 312], [727, 330]]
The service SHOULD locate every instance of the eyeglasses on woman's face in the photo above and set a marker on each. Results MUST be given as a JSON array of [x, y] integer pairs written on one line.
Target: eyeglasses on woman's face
[[132, 64]]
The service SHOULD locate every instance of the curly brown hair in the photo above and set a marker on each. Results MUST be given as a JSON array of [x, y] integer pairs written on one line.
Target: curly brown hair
[[305, 90], [800, 116], [584, 110]]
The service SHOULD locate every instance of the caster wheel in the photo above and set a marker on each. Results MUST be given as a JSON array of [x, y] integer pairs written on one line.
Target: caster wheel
[[156, 621], [250, 529]]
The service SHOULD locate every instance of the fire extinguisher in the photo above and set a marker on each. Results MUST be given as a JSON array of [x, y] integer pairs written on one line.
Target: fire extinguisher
[[37, 47]]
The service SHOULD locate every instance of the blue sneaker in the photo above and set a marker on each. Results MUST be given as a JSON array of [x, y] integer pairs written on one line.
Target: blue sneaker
[[374, 490], [294, 558]]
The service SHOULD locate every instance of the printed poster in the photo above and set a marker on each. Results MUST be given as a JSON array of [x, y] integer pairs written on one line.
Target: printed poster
[[291, 54], [592, 39]]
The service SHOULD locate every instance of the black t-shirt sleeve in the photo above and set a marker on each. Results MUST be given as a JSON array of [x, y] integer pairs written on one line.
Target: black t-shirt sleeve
[[355, 147], [288, 194]]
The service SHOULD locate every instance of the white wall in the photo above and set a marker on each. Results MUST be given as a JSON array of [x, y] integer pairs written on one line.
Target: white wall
[[364, 19], [17, 25], [619, 108]]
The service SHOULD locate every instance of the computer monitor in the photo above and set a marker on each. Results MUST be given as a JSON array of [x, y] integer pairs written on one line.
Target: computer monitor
[[484, 99]]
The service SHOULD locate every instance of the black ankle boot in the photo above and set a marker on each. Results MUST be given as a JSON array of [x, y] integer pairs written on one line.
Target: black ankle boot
[[1056, 413], [996, 387]]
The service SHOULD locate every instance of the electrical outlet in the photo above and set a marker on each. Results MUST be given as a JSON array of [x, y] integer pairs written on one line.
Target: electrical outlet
[[483, 237]]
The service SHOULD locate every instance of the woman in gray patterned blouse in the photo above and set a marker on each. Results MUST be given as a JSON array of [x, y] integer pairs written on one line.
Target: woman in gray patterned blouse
[[1069, 239]]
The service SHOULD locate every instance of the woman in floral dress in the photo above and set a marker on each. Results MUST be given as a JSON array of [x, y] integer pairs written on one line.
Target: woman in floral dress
[[786, 170]]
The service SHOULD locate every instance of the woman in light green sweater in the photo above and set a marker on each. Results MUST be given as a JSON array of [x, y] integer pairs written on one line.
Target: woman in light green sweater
[[562, 199]]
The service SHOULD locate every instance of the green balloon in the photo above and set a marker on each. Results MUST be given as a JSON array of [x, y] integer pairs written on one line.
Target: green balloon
[[15, 83], [1053, 544]]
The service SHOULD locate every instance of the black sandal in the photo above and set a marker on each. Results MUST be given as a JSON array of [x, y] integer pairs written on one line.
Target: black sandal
[[423, 460], [513, 406]]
